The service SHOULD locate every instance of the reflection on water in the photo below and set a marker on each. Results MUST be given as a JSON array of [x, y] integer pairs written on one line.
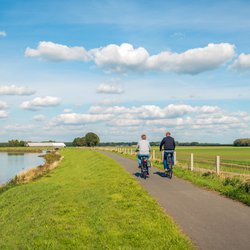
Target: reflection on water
[[13, 163]]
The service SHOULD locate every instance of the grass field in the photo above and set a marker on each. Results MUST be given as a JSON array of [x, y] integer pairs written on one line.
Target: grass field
[[88, 202], [232, 159]]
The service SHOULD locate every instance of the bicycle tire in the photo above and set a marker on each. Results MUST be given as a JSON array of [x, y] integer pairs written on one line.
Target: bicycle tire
[[170, 169], [170, 172]]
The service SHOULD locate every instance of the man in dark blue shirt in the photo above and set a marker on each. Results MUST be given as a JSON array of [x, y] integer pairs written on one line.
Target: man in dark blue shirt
[[168, 144]]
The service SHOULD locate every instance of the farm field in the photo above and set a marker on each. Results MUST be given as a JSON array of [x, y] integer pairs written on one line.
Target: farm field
[[88, 202], [232, 159]]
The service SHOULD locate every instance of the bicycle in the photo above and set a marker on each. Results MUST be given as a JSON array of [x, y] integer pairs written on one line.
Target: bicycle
[[169, 172], [144, 167]]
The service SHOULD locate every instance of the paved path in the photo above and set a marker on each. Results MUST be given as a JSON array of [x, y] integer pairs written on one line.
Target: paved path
[[210, 220]]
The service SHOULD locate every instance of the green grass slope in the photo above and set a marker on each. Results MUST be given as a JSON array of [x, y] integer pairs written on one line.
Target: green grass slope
[[88, 202]]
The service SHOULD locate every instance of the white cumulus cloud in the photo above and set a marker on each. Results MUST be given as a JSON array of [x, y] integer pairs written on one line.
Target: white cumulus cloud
[[74, 118], [153, 111], [242, 62], [3, 105], [120, 58], [110, 88], [57, 52], [124, 57], [3, 114], [39, 118], [3, 34], [192, 61], [39, 102], [19, 128], [15, 90], [67, 111]]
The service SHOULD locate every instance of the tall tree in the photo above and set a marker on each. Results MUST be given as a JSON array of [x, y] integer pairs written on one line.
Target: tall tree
[[92, 139], [79, 142]]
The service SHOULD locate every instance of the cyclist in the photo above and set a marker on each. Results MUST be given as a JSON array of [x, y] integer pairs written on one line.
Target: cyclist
[[168, 144], [143, 147]]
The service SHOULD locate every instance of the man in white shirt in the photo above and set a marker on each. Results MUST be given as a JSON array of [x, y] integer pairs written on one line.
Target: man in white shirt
[[143, 147]]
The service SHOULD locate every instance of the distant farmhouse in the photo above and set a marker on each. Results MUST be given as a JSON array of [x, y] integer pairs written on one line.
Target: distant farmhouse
[[46, 144]]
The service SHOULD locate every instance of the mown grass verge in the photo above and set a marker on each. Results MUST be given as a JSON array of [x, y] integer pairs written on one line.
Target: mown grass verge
[[88, 202], [234, 188]]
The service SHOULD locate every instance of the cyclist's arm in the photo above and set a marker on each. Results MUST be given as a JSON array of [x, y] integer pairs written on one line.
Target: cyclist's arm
[[137, 147], [162, 142]]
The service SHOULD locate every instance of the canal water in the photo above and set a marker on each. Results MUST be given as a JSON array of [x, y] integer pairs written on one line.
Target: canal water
[[13, 163]]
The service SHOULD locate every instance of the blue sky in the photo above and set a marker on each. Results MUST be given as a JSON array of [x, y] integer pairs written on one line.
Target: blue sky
[[122, 68]]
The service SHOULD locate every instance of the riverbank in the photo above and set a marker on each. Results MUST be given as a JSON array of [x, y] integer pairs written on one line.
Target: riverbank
[[51, 161], [24, 149], [88, 202]]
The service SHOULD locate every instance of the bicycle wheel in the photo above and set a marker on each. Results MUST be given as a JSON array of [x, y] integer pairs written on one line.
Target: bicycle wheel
[[170, 172], [143, 172]]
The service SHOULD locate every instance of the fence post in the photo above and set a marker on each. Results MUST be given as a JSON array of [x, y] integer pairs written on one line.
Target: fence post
[[153, 155], [131, 151], [162, 155], [175, 161], [192, 162], [218, 165]]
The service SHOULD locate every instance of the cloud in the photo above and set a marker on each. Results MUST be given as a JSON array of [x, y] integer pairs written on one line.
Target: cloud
[[192, 61], [39, 102], [67, 111], [120, 58], [15, 90], [19, 128], [3, 105], [107, 102], [242, 63], [39, 118], [174, 116], [3, 34], [153, 111], [74, 118], [124, 57], [57, 52], [3, 114], [110, 88]]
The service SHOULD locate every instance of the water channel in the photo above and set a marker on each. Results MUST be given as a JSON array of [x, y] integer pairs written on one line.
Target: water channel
[[13, 163]]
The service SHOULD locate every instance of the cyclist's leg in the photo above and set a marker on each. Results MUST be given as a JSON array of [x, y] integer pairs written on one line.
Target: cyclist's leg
[[165, 161], [148, 163], [139, 159], [172, 158]]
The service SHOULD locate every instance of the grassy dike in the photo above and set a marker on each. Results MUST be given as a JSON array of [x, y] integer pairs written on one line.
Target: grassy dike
[[87, 202]]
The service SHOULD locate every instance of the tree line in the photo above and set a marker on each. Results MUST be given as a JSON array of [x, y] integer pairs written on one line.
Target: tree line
[[242, 142], [89, 140]]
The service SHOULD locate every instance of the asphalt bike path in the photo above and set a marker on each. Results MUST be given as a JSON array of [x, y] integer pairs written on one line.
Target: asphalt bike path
[[209, 219]]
